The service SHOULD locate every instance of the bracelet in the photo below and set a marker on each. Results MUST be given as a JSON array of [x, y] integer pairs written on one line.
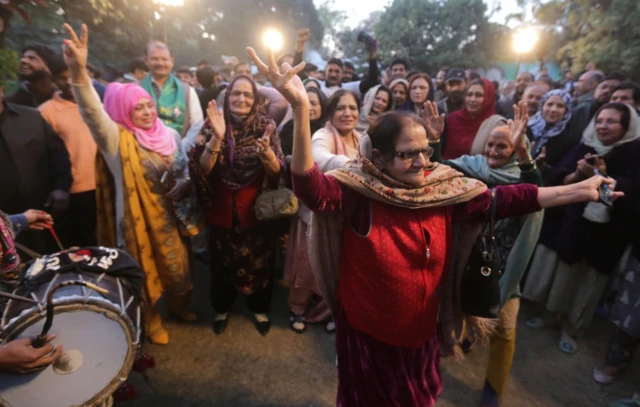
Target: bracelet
[[434, 141], [210, 150]]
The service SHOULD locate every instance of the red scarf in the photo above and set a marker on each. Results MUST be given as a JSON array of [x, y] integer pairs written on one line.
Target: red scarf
[[462, 127]]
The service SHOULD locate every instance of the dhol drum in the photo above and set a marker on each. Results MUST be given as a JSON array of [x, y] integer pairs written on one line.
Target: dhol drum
[[100, 333]]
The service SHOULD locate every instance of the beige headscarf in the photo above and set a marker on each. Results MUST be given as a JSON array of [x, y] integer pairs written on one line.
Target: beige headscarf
[[590, 137], [484, 132]]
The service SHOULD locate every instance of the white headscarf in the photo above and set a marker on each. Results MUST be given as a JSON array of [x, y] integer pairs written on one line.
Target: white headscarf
[[590, 137]]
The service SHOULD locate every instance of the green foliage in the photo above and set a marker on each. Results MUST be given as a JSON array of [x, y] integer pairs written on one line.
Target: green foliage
[[602, 31], [119, 29], [431, 34], [9, 64]]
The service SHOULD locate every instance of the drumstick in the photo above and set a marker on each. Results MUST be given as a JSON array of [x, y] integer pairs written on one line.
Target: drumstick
[[55, 236], [17, 297], [42, 338]]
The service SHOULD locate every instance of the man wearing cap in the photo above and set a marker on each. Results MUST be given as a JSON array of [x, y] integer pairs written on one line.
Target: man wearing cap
[[456, 83], [36, 85]]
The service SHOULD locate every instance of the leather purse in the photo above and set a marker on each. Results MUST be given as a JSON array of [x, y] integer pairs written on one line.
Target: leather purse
[[480, 290], [275, 204]]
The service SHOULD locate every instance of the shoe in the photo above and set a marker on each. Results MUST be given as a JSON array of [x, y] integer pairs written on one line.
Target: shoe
[[567, 343], [144, 362], [179, 305], [297, 323], [535, 323], [330, 327], [155, 331], [606, 378], [126, 392], [263, 327], [467, 345], [220, 325]]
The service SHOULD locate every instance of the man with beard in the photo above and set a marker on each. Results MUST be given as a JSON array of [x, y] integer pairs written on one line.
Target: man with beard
[[456, 85], [440, 84], [63, 115], [35, 168], [505, 108], [348, 72], [36, 85], [585, 110]]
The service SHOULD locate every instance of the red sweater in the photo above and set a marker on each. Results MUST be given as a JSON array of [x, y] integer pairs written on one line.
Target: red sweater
[[388, 288]]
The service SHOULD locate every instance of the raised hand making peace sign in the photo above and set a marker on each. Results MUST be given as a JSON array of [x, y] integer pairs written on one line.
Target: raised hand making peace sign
[[75, 50], [286, 82]]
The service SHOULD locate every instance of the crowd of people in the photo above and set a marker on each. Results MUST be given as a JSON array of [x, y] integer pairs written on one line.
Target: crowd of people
[[395, 175]]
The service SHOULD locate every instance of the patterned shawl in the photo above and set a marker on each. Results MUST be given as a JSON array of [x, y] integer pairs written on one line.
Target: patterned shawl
[[542, 132]]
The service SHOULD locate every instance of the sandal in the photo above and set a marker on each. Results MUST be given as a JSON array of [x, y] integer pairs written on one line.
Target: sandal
[[330, 327], [605, 378], [297, 323], [535, 322], [567, 343]]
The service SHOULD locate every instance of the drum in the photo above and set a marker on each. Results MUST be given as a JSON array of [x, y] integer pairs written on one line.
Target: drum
[[100, 333]]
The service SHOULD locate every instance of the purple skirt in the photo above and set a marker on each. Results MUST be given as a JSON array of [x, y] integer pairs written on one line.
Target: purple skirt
[[373, 373]]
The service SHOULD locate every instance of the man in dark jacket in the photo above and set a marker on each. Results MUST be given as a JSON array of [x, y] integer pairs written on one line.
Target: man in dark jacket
[[35, 171]]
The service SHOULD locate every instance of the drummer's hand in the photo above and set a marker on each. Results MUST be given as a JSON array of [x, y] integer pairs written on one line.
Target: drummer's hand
[[19, 357], [38, 220]]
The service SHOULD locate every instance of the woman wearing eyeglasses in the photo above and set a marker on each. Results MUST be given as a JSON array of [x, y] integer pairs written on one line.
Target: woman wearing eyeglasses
[[384, 225]]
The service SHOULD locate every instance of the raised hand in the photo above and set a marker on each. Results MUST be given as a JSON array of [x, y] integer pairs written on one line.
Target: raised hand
[[518, 126], [302, 36], [75, 50], [216, 120], [287, 82], [263, 144], [433, 121], [518, 130]]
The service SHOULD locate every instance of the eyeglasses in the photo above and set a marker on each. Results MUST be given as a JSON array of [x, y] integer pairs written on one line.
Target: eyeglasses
[[412, 155]]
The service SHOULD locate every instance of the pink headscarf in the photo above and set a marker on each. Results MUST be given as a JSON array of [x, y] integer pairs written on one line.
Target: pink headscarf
[[120, 100]]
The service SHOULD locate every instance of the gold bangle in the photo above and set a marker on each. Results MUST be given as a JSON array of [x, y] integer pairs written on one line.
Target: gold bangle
[[210, 150]]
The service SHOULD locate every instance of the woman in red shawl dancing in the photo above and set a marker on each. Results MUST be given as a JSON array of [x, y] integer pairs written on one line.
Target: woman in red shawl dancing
[[394, 211]]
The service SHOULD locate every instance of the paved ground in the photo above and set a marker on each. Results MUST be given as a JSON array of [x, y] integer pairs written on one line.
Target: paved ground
[[240, 368]]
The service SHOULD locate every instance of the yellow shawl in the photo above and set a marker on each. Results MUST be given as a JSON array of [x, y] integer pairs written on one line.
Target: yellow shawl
[[152, 230]]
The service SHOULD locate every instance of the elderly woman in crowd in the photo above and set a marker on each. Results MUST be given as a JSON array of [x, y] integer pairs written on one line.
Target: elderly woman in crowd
[[500, 156], [377, 101], [463, 125], [549, 129], [238, 156], [580, 244], [399, 91], [143, 188], [390, 292]]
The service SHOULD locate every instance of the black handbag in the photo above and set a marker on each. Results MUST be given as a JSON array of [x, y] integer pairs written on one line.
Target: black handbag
[[479, 289]]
